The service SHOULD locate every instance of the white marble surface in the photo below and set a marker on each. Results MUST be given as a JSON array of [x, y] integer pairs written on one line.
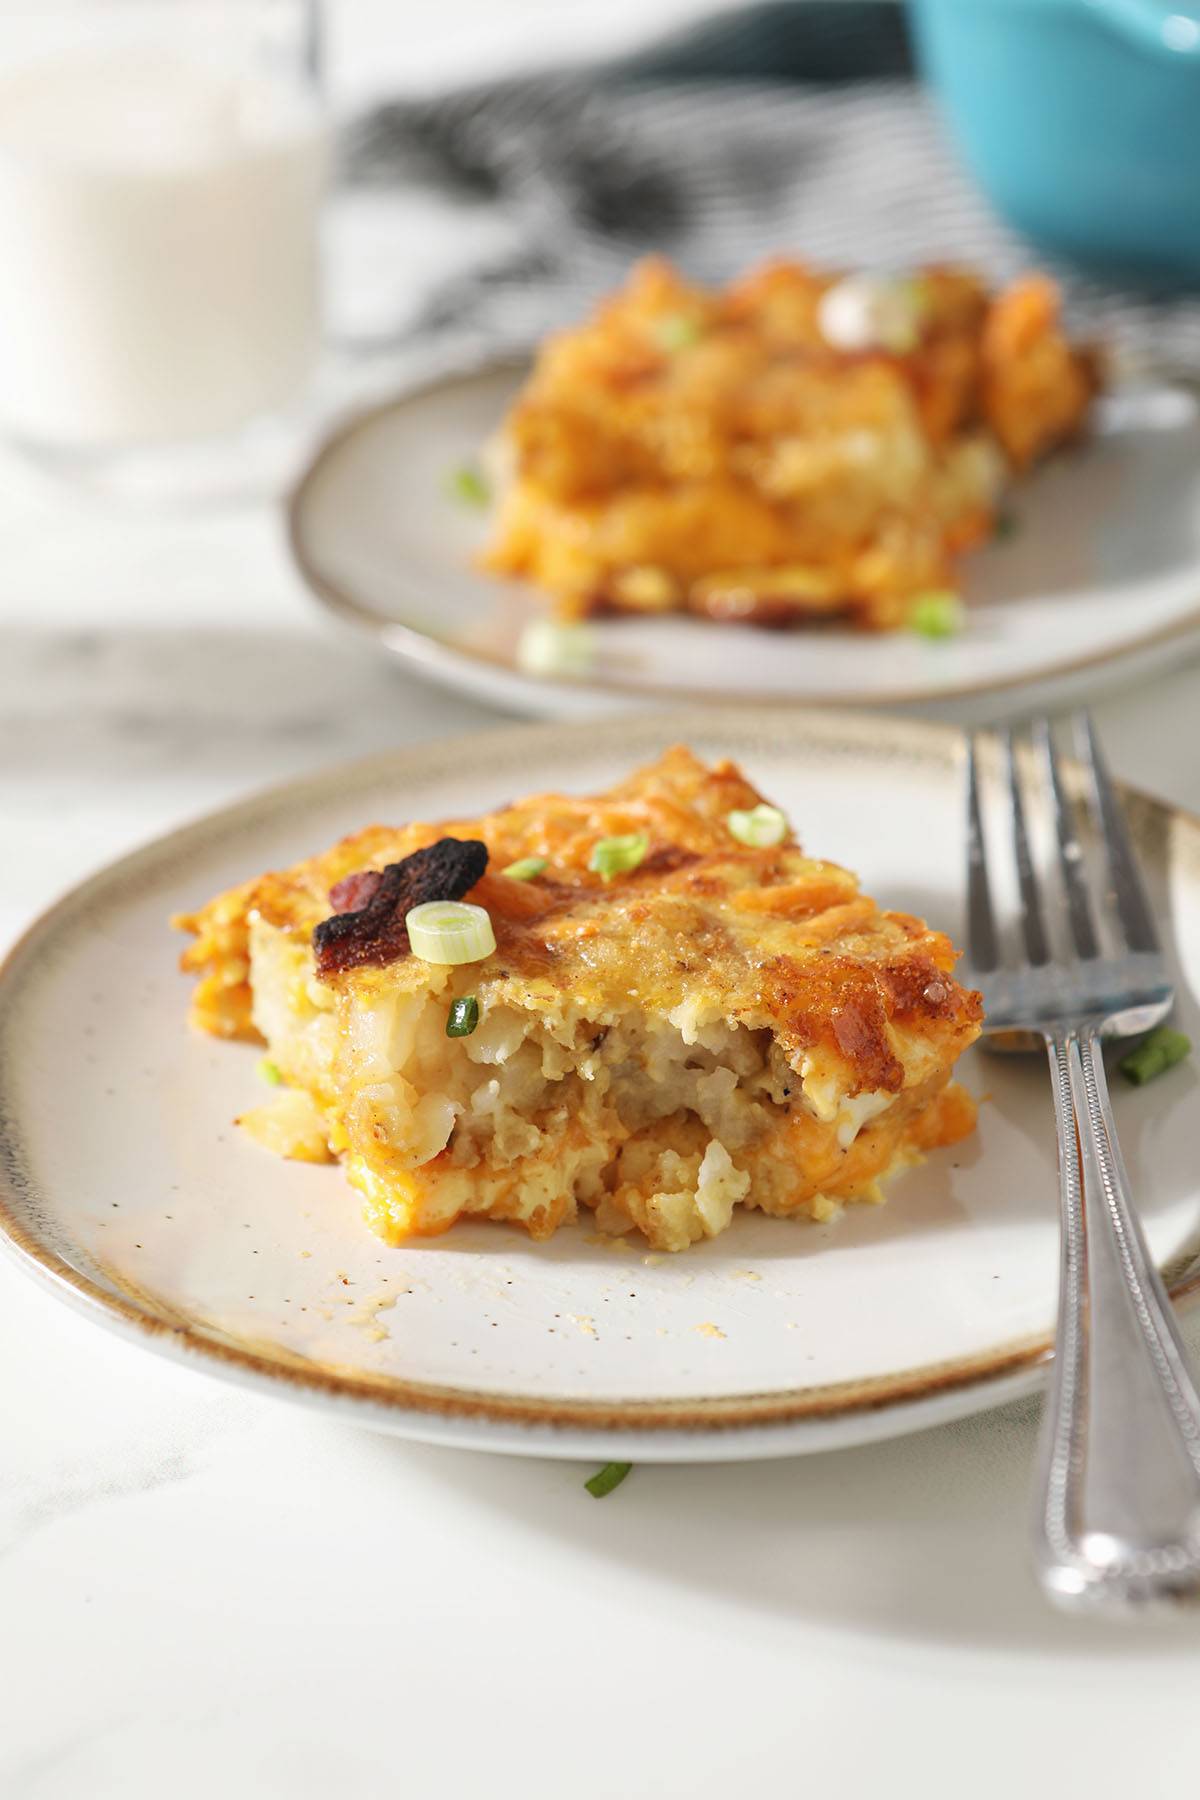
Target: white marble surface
[[202, 1592], [205, 1592]]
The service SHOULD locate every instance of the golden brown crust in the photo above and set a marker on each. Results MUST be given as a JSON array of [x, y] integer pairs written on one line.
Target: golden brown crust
[[770, 939]]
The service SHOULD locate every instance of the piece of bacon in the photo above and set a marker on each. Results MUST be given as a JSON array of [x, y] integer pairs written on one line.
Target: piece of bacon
[[367, 926], [353, 892]]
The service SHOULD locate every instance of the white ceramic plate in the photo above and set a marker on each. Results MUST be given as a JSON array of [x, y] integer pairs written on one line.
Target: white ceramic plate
[[127, 1188], [1100, 581]]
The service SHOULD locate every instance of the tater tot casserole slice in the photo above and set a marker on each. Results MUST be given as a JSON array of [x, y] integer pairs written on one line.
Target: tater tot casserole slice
[[796, 447], [671, 1010]]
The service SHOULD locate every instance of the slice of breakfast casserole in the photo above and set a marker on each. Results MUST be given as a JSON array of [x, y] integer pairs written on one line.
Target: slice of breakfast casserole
[[650, 1003], [797, 447]]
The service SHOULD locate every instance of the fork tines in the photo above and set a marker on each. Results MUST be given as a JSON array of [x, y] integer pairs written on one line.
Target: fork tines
[[1125, 878], [1077, 909]]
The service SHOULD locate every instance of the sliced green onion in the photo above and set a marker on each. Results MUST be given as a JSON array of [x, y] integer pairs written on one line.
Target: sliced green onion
[[1154, 1055], [901, 316], [1007, 526], [548, 647], [606, 1479], [450, 931], [617, 855], [463, 1017], [526, 868], [761, 827], [469, 484], [675, 331], [938, 614], [269, 1071]]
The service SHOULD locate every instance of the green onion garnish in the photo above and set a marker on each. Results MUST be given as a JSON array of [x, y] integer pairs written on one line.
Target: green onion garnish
[[900, 316], [938, 614], [617, 855], [269, 1071], [675, 331], [761, 827], [548, 647], [526, 868], [1007, 525], [450, 931], [606, 1479], [463, 1017], [1154, 1055], [468, 484]]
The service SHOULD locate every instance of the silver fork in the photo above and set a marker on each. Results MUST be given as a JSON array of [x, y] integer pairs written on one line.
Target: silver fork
[[1118, 1517]]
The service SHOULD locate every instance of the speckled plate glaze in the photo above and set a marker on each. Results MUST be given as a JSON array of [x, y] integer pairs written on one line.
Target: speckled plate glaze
[[1099, 582], [127, 1189]]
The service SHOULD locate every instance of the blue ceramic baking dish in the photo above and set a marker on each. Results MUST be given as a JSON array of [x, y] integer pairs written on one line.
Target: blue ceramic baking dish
[[1081, 121]]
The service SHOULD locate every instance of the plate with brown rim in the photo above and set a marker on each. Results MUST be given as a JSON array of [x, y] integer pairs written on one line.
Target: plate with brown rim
[[1096, 582], [125, 1188]]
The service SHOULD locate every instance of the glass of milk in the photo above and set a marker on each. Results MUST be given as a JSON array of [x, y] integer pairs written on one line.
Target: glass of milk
[[162, 164]]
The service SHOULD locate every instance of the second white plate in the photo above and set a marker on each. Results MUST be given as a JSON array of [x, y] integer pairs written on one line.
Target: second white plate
[[1099, 582]]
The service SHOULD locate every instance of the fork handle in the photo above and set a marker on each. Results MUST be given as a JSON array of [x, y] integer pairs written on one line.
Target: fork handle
[[1119, 1518]]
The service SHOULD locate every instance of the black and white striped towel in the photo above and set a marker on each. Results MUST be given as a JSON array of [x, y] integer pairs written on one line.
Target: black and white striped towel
[[791, 126]]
